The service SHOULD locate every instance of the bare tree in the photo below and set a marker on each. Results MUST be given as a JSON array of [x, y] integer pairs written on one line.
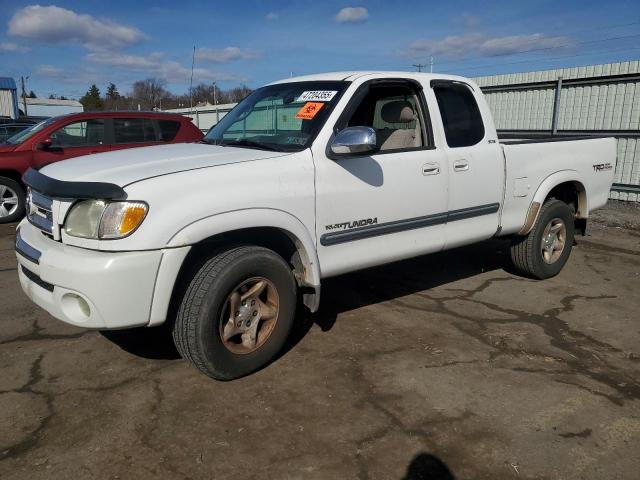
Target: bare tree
[[149, 93]]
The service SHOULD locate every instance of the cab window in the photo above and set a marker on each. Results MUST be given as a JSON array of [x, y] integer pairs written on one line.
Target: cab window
[[460, 114], [79, 134], [395, 114]]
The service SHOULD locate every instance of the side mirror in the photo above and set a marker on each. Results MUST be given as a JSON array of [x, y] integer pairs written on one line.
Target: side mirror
[[44, 144], [353, 140]]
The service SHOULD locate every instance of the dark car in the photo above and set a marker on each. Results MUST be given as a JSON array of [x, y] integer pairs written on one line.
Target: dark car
[[8, 130], [78, 134]]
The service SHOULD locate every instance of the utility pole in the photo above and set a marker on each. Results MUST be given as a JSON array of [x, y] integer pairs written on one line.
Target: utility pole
[[215, 102], [24, 95], [419, 66], [431, 63]]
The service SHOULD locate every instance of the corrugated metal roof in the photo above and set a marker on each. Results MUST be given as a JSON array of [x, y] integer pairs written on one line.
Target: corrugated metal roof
[[566, 73], [7, 83], [53, 101]]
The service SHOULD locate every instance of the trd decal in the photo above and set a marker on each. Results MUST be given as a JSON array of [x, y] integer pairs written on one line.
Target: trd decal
[[601, 167], [353, 224]]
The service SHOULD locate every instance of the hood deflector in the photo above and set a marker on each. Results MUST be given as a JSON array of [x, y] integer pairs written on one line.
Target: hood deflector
[[81, 190]]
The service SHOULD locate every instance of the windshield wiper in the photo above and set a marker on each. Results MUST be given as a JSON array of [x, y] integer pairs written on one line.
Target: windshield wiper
[[245, 142]]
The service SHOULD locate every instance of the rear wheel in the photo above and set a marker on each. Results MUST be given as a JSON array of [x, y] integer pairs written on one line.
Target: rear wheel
[[545, 250], [12, 200], [236, 313]]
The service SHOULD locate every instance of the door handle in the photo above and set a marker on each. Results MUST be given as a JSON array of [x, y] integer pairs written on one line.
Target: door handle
[[431, 168], [461, 165]]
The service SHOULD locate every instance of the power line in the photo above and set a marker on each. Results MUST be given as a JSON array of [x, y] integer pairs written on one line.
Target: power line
[[551, 59], [504, 54]]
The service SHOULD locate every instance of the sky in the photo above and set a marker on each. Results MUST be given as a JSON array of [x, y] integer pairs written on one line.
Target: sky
[[64, 47]]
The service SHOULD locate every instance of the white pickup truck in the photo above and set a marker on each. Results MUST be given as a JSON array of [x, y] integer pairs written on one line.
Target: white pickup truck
[[306, 178]]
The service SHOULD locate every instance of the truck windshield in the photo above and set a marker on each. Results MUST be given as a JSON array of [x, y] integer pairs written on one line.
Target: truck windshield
[[29, 132], [284, 117]]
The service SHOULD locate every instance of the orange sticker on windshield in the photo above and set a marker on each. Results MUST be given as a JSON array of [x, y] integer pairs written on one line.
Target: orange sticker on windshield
[[309, 110]]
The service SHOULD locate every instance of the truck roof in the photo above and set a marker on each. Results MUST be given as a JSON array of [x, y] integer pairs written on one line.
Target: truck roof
[[353, 75]]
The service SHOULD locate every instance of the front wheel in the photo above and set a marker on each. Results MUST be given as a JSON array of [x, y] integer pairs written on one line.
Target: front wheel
[[12, 200], [545, 250], [236, 313]]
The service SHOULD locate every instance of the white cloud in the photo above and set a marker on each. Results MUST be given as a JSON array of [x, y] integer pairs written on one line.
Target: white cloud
[[58, 25], [480, 44], [224, 55], [517, 43], [352, 15], [157, 65], [272, 16], [12, 47], [50, 71]]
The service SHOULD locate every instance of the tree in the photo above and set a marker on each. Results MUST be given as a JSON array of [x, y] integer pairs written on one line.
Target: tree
[[149, 93], [112, 91], [32, 94], [91, 100], [52, 97], [113, 100]]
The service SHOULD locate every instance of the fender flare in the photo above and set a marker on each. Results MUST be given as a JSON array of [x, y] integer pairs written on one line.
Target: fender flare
[[256, 217], [548, 184]]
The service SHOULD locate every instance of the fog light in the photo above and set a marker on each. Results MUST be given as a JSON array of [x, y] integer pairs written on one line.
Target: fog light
[[75, 307]]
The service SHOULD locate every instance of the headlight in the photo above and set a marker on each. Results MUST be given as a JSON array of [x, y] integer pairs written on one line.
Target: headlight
[[104, 220]]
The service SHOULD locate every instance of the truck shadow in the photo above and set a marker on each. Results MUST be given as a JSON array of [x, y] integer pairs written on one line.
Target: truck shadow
[[378, 284], [347, 292]]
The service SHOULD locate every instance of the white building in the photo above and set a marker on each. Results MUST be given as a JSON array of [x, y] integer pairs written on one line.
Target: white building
[[51, 107]]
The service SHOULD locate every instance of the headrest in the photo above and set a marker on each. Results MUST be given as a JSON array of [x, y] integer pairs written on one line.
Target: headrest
[[399, 111]]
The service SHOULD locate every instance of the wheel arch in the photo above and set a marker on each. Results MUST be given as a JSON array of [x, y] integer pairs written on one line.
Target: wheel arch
[[12, 174], [565, 186], [274, 229]]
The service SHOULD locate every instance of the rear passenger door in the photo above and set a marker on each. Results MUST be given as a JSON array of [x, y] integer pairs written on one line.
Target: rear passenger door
[[476, 165]]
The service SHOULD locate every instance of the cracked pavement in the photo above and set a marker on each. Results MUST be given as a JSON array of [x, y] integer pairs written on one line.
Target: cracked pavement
[[446, 365]]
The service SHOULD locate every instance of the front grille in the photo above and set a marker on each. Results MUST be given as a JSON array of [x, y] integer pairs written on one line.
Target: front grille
[[39, 212]]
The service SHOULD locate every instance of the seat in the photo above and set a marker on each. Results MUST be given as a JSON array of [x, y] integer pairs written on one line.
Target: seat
[[395, 112]]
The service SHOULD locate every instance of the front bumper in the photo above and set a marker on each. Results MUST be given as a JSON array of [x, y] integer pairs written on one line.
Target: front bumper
[[93, 289]]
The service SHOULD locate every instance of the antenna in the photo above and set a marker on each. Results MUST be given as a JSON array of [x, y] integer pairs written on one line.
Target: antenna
[[193, 60]]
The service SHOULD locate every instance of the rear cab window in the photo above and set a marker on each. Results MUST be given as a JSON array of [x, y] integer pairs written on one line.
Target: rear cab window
[[461, 117]]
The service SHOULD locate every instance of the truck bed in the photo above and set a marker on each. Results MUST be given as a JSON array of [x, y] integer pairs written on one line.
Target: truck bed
[[532, 164]]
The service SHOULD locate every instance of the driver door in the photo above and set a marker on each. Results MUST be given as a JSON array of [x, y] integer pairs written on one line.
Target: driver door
[[83, 137], [384, 206]]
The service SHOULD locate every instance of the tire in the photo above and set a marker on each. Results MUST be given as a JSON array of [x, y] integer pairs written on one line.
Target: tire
[[12, 200], [527, 253], [204, 317]]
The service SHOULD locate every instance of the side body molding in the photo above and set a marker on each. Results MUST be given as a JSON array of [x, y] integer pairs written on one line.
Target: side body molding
[[251, 218]]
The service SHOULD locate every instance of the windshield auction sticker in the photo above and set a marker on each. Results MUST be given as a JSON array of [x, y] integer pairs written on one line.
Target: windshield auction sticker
[[309, 110], [317, 96]]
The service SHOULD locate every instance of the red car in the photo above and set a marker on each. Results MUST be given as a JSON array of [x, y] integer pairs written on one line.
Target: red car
[[78, 134]]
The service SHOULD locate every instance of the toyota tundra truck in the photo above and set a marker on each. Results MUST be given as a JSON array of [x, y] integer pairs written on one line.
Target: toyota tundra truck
[[304, 179]]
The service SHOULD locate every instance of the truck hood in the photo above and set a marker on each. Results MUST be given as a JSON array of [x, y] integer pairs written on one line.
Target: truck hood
[[123, 167]]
